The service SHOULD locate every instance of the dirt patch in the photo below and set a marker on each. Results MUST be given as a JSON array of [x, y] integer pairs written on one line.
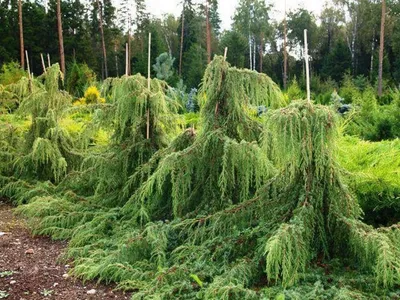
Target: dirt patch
[[29, 266]]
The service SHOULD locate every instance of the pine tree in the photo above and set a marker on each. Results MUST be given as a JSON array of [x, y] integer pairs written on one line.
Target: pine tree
[[141, 15], [381, 47], [126, 22], [60, 37], [21, 34], [103, 43]]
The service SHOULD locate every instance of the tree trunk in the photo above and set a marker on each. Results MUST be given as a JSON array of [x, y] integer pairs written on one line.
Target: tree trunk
[[254, 52], [261, 52], [60, 37], [182, 32], [208, 29], [284, 51], [382, 41], [129, 47], [116, 56], [371, 71], [250, 53], [21, 34], [103, 43], [352, 43]]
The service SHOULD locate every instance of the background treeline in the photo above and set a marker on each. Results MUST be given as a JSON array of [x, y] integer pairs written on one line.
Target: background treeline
[[344, 38]]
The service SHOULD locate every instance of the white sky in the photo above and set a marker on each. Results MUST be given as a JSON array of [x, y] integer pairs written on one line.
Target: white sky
[[227, 8]]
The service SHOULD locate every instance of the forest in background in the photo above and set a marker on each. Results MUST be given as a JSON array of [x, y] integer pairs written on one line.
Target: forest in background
[[343, 39]]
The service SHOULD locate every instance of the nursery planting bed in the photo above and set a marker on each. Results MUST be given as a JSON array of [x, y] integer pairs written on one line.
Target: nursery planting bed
[[30, 267]]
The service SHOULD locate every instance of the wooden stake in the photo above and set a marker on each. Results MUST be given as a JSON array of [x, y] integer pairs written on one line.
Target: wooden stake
[[43, 65], [148, 87], [306, 57], [27, 64], [48, 60], [30, 76], [126, 59], [129, 48], [225, 53]]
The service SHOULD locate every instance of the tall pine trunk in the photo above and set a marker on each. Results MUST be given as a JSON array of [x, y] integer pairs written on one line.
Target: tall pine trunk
[[261, 51], [116, 56], [284, 51], [103, 43], [371, 71], [60, 37], [182, 32], [382, 41], [21, 34], [129, 47], [208, 29], [254, 52]]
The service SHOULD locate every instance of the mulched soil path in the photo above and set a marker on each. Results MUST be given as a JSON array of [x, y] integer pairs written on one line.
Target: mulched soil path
[[38, 275]]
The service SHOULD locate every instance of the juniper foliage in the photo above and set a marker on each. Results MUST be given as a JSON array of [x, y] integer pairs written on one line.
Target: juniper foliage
[[197, 174], [129, 147], [213, 214], [326, 218], [47, 152]]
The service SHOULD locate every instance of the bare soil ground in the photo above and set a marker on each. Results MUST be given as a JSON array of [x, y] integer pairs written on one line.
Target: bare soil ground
[[39, 275]]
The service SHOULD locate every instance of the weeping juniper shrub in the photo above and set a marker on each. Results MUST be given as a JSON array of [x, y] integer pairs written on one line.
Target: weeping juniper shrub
[[10, 139], [11, 96], [325, 219], [97, 188], [129, 146], [47, 152], [177, 216], [224, 165], [214, 215], [196, 179]]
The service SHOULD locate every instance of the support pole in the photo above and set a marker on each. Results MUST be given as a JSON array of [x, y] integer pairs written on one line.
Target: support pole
[[306, 57], [126, 59], [43, 65], [225, 52], [48, 60], [27, 63], [148, 87]]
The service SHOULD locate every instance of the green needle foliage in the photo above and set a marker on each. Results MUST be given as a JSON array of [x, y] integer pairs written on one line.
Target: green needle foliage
[[212, 214], [374, 177], [47, 152], [224, 165], [325, 218], [193, 182], [88, 194], [106, 173]]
